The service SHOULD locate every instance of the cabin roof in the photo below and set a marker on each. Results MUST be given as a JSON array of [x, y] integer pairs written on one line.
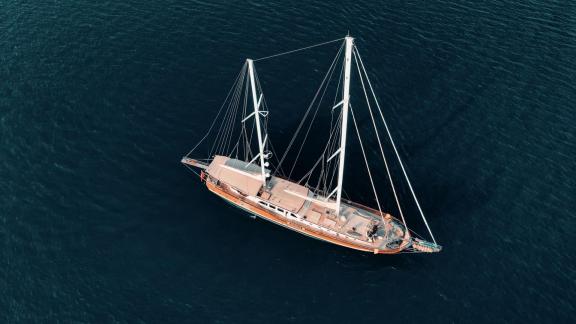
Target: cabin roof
[[236, 173], [282, 194], [247, 178], [244, 166]]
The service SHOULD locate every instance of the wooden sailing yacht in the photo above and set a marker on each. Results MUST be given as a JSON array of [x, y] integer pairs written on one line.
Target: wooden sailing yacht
[[245, 178]]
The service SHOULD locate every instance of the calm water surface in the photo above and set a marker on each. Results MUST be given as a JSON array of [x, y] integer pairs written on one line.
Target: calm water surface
[[100, 223]]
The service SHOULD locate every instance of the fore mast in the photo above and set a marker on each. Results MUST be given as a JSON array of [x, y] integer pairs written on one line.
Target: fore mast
[[257, 113]]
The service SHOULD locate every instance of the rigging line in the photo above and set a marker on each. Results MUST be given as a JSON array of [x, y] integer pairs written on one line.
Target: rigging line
[[395, 150], [322, 169], [325, 169], [338, 85], [245, 138], [335, 142], [333, 168], [264, 104], [328, 77], [366, 162], [229, 125], [265, 107], [297, 50], [236, 106], [379, 141], [333, 164], [312, 121], [237, 109], [333, 146], [320, 159], [250, 153], [414, 234], [345, 194], [248, 139], [321, 176], [215, 146], [219, 111], [307, 111], [189, 168], [274, 155], [221, 131], [311, 170], [242, 126], [248, 145], [235, 149], [331, 133]]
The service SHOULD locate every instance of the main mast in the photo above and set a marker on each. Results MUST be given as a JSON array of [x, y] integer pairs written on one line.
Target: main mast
[[256, 114], [345, 103]]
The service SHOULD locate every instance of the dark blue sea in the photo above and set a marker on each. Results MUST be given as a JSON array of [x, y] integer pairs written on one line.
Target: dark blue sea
[[100, 223]]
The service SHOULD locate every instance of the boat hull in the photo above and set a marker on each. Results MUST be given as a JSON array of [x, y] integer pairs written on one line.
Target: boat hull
[[254, 209]]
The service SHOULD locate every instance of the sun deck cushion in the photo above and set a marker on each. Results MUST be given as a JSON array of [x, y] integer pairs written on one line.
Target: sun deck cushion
[[287, 195], [237, 174]]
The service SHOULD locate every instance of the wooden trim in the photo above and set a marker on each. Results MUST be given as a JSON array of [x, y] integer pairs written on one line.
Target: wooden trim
[[254, 208]]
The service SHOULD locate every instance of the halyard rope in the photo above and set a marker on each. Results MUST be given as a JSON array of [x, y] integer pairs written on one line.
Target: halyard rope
[[297, 50]]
